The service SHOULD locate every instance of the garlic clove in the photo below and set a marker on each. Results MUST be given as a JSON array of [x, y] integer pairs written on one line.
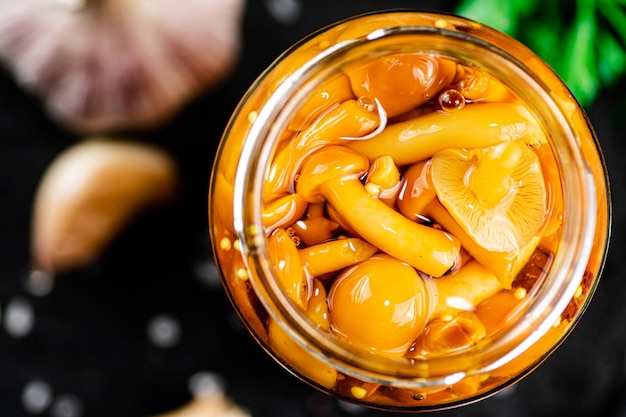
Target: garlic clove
[[89, 193], [213, 405], [103, 65]]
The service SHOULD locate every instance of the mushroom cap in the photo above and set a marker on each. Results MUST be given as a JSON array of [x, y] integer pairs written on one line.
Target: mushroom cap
[[402, 82], [515, 218], [380, 305], [326, 164]]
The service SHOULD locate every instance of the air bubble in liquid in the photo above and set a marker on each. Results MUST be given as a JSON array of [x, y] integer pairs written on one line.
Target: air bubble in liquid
[[366, 103], [451, 100]]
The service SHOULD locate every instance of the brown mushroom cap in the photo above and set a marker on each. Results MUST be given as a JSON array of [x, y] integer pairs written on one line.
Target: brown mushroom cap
[[496, 194]]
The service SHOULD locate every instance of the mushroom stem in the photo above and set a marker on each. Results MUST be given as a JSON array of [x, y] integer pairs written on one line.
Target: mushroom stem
[[476, 126], [429, 250], [416, 191], [313, 231], [464, 289], [333, 173], [332, 256]]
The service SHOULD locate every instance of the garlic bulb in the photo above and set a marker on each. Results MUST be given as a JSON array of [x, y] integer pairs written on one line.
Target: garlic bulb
[[103, 65], [89, 193], [214, 405]]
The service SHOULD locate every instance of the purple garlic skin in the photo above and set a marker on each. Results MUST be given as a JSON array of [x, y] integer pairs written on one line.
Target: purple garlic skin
[[105, 65]]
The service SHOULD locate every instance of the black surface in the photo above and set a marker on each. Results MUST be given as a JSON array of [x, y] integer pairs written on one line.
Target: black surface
[[89, 337]]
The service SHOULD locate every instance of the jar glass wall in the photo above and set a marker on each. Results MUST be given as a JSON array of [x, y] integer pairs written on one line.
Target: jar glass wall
[[458, 308]]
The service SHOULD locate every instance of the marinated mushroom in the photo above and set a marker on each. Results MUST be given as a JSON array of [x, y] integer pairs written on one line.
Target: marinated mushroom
[[317, 309], [383, 179], [402, 82], [383, 305], [324, 98], [416, 191], [334, 255], [495, 310], [380, 305], [332, 174], [446, 334], [475, 126], [284, 256], [505, 265], [464, 289], [481, 87], [313, 231], [282, 211], [496, 194], [349, 119], [295, 266]]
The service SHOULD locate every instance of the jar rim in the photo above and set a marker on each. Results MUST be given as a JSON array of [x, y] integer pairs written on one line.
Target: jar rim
[[541, 313]]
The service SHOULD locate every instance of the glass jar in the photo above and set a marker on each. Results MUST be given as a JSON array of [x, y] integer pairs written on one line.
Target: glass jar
[[436, 349]]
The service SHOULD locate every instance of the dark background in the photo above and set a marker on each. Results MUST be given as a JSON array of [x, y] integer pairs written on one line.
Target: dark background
[[89, 339]]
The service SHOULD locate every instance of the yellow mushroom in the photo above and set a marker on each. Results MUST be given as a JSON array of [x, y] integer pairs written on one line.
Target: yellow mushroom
[[286, 260], [402, 82], [495, 311], [294, 267], [324, 98], [315, 210], [317, 309], [383, 179], [416, 191], [505, 265], [481, 87], [349, 119], [464, 289], [447, 334], [312, 231], [475, 126], [380, 305], [333, 173], [282, 211], [334, 255], [496, 194]]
